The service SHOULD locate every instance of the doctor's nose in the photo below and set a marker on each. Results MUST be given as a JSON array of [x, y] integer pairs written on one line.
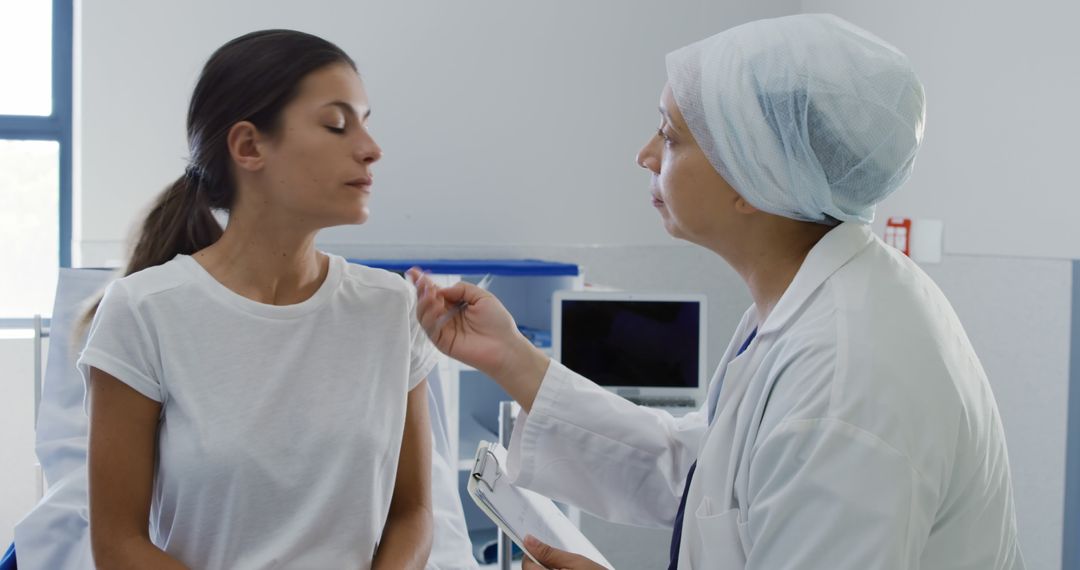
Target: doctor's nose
[[648, 158]]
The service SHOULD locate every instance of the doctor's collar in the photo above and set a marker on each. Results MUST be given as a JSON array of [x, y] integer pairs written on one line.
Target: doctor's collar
[[830, 254]]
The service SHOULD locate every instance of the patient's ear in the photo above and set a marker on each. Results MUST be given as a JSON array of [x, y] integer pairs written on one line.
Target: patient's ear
[[244, 142]]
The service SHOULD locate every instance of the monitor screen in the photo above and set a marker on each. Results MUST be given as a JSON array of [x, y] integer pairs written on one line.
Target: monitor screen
[[641, 343]]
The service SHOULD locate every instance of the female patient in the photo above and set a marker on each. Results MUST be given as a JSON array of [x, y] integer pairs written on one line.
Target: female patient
[[261, 403]]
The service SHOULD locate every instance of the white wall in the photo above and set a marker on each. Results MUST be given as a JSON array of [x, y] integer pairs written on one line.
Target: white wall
[[536, 110], [531, 110], [998, 162]]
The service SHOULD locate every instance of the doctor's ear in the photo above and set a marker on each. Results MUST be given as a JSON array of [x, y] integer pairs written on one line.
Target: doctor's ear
[[244, 142], [744, 207]]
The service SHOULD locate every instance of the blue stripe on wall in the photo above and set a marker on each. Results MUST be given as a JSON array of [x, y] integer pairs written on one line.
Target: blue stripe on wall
[[1071, 540]]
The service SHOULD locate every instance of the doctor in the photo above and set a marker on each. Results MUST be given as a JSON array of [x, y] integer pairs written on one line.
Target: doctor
[[850, 424]]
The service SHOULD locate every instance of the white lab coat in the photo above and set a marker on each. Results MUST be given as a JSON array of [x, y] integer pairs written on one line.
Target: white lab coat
[[858, 430]]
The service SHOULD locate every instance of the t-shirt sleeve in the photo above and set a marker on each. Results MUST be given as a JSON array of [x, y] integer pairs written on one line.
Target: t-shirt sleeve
[[120, 345], [423, 355]]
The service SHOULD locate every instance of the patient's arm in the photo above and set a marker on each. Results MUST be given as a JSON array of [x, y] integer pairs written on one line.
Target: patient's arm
[[406, 539], [123, 438]]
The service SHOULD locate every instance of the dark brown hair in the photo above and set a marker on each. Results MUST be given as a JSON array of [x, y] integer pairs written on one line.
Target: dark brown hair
[[251, 78]]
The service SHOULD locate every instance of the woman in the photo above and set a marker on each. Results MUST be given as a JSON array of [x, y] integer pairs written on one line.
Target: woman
[[261, 403], [850, 424]]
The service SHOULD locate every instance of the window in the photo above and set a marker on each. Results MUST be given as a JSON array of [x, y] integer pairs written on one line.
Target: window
[[35, 152]]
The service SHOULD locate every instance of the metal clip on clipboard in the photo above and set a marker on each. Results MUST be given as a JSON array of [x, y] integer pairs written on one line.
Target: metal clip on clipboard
[[480, 467], [484, 461], [518, 512]]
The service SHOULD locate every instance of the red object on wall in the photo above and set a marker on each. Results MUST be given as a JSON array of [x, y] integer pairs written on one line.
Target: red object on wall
[[898, 234]]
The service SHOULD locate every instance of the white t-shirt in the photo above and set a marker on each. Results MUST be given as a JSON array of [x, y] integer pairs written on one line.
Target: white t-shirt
[[281, 425]]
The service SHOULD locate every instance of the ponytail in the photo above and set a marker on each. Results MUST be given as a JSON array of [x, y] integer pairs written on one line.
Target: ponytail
[[179, 222]]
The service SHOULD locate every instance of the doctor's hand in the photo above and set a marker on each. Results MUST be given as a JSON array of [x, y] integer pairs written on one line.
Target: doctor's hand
[[554, 558], [469, 324]]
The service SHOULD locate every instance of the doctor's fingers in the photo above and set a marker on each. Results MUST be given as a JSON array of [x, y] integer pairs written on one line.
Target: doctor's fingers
[[527, 564], [554, 558], [429, 309], [460, 291], [419, 278]]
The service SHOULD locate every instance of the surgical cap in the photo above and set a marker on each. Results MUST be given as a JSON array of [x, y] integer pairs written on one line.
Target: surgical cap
[[807, 117]]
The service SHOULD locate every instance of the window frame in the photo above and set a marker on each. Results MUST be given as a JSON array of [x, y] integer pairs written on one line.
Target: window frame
[[57, 126]]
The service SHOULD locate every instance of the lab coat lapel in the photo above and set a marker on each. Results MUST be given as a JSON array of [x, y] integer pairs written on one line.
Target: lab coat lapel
[[830, 254], [717, 383], [711, 498]]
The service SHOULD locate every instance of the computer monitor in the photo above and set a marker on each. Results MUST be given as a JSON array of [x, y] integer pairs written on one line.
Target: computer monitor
[[644, 346]]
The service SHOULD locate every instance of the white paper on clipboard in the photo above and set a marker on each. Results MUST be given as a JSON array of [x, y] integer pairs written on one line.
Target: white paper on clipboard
[[520, 512]]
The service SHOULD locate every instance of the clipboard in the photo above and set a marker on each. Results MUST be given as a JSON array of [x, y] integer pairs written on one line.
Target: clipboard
[[519, 512]]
